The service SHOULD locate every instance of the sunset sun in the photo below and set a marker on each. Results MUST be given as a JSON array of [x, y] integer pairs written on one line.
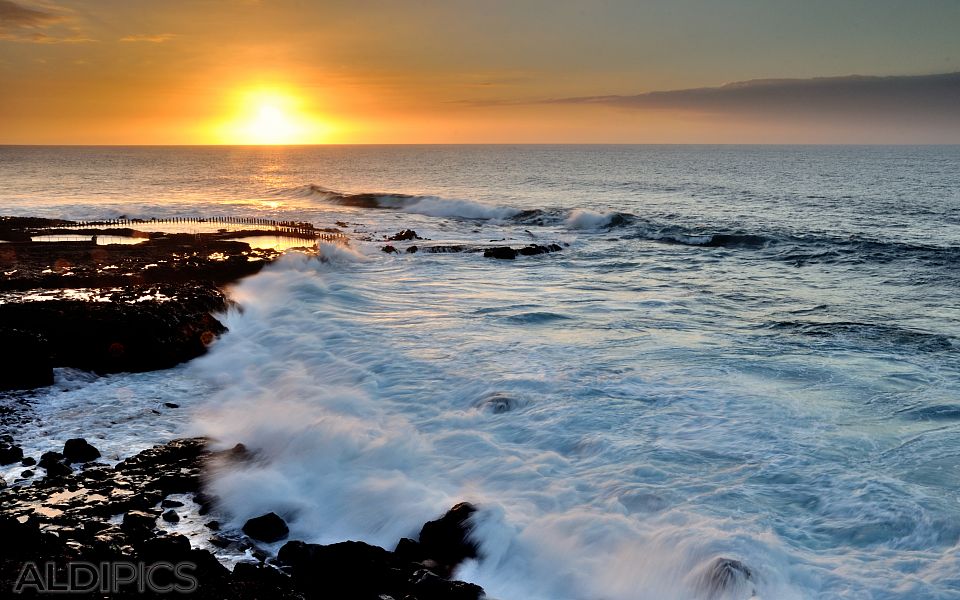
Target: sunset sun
[[271, 117]]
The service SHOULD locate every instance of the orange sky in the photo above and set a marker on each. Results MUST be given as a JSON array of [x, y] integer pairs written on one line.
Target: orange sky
[[279, 71]]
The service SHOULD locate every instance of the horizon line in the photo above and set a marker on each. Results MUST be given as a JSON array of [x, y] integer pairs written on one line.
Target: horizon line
[[319, 145]]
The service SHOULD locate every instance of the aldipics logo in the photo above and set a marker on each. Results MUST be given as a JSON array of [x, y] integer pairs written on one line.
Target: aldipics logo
[[107, 577]]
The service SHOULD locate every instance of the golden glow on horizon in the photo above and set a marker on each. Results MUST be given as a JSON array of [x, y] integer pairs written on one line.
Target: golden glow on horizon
[[271, 116]]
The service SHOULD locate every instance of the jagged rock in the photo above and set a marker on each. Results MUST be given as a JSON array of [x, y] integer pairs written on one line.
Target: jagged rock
[[409, 550], [389, 249], [51, 461], [78, 450], [165, 547], [266, 528], [427, 585], [406, 234], [10, 453], [508, 253], [500, 252], [27, 363], [137, 520], [167, 503], [171, 516], [534, 249], [446, 540], [28, 461], [723, 575], [412, 249], [48, 458], [346, 569]]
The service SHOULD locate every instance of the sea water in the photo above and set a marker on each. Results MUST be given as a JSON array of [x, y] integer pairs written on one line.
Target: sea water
[[740, 352]]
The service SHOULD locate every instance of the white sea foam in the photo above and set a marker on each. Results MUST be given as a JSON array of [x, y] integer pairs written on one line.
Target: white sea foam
[[589, 219], [354, 441], [463, 209]]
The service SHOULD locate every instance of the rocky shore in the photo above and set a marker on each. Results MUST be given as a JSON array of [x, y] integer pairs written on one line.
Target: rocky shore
[[114, 307], [87, 512], [128, 307]]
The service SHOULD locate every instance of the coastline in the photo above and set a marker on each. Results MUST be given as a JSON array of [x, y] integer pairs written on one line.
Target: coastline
[[150, 306]]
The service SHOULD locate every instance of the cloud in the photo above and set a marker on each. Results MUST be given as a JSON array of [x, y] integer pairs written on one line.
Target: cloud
[[157, 38], [20, 23], [927, 96], [14, 16]]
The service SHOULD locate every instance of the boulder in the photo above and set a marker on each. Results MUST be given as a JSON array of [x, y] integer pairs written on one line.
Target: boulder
[[77, 450], [170, 516], [406, 234], [266, 528], [446, 540], [724, 575], [500, 252], [138, 521], [169, 548], [389, 249], [27, 363], [51, 461], [534, 249], [10, 453], [342, 570]]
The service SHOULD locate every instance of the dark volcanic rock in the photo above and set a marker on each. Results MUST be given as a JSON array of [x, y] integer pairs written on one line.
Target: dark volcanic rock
[[412, 249], [109, 337], [446, 540], [534, 249], [171, 516], [266, 528], [406, 234], [501, 252], [723, 575], [154, 300], [136, 520], [10, 453], [359, 570], [78, 450], [74, 513], [390, 249], [77, 508], [508, 253], [27, 363], [51, 461]]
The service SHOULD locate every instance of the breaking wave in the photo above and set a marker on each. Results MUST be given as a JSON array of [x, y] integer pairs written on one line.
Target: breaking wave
[[792, 247], [432, 206]]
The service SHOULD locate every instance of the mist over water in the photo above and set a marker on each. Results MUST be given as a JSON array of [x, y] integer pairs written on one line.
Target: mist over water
[[744, 352]]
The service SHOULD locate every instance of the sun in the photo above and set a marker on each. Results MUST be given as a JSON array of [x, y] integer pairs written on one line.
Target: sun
[[271, 117]]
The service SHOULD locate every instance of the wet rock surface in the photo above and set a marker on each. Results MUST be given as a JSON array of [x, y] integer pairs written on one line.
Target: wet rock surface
[[116, 307], [266, 528], [509, 253], [100, 513]]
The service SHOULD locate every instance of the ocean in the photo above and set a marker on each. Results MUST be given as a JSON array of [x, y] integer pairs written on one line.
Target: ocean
[[750, 352]]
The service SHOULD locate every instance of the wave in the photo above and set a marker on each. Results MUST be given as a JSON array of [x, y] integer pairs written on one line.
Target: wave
[[432, 206], [355, 439], [900, 337], [795, 248], [588, 219]]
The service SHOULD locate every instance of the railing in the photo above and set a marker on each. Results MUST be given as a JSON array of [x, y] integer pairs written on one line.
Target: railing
[[287, 228]]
